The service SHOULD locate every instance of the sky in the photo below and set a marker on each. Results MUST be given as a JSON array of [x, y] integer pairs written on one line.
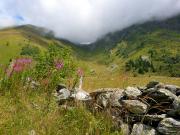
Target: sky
[[84, 21]]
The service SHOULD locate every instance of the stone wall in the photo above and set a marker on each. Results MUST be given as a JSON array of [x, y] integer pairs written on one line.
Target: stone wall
[[153, 109]]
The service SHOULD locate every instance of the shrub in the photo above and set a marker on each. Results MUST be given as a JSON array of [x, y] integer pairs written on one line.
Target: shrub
[[30, 51]]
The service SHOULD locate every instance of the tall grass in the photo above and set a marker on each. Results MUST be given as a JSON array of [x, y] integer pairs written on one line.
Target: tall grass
[[27, 104]]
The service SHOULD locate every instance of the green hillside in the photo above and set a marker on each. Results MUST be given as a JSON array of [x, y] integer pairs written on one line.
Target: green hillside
[[12, 40], [157, 41], [123, 51]]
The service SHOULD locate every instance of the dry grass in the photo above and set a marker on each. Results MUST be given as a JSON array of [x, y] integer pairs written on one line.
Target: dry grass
[[122, 81]]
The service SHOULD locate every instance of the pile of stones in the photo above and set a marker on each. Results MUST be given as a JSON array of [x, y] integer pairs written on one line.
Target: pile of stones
[[153, 109]]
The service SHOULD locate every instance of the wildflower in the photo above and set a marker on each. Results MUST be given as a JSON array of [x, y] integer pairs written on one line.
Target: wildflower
[[80, 72], [24, 61], [17, 68], [18, 65], [59, 65]]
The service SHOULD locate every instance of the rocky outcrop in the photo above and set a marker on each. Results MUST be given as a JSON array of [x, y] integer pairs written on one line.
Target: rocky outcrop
[[150, 110]]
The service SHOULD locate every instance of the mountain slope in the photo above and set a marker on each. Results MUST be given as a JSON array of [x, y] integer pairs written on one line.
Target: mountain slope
[[12, 40], [159, 41]]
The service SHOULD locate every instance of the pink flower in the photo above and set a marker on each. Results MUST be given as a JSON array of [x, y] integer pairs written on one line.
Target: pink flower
[[59, 65], [80, 72], [18, 65], [24, 61], [18, 68]]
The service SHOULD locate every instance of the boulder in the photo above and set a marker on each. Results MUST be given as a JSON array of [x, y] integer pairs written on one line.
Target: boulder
[[178, 92], [172, 88], [167, 93], [141, 129], [176, 105], [108, 97], [155, 118], [160, 86], [125, 129], [148, 91], [132, 92], [115, 98], [98, 92], [152, 84], [162, 95], [135, 106], [169, 126], [142, 88], [81, 95], [104, 99], [60, 86], [63, 94]]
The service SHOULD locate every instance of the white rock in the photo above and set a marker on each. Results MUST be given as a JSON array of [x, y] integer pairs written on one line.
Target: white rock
[[63, 94], [81, 95], [132, 92], [141, 129], [135, 106]]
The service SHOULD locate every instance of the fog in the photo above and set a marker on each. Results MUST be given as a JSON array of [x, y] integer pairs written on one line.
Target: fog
[[85, 20]]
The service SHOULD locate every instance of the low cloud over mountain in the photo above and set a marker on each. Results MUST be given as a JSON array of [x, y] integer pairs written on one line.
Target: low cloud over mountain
[[85, 20]]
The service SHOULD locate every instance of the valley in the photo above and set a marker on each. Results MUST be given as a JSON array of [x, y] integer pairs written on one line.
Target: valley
[[116, 56]]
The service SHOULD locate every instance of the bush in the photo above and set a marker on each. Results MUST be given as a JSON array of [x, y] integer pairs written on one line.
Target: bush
[[30, 51], [141, 65]]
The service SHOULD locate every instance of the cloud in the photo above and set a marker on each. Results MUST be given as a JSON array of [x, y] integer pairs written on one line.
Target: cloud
[[86, 20]]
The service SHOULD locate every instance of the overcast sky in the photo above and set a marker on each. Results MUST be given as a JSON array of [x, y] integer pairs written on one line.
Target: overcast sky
[[84, 20]]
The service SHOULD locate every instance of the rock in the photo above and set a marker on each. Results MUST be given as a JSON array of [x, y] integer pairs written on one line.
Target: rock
[[152, 84], [167, 94], [108, 97], [172, 88], [125, 129], [149, 91], [104, 99], [135, 106], [115, 98], [63, 94], [169, 126], [176, 105], [141, 129], [160, 86], [155, 118], [98, 92], [178, 92], [60, 86], [81, 95], [142, 88], [162, 95], [132, 92]]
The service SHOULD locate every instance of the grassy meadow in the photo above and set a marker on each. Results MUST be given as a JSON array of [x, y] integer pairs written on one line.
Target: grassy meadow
[[25, 110], [28, 109]]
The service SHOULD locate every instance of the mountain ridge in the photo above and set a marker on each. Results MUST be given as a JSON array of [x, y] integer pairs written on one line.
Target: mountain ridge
[[118, 48]]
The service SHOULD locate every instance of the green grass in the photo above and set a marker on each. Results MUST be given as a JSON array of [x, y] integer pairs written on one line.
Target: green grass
[[30, 111], [11, 43]]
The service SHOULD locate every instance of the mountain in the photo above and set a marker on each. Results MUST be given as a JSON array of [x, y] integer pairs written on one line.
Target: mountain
[[151, 48], [13, 39], [158, 41]]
